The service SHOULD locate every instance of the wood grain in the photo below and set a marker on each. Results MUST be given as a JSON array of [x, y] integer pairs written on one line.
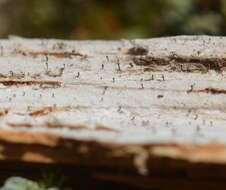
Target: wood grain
[[117, 104]]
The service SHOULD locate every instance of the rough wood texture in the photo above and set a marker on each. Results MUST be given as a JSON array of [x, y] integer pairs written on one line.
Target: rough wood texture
[[154, 106]]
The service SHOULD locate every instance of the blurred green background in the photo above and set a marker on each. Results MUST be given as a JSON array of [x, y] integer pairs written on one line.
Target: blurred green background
[[111, 19]]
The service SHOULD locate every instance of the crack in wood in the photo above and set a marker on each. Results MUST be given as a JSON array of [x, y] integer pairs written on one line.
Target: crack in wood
[[55, 54], [208, 90], [180, 64], [49, 84]]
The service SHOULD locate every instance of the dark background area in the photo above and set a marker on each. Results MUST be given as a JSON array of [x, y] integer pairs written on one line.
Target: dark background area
[[111, 19]]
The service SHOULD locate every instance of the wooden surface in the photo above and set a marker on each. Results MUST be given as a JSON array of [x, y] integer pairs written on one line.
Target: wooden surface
[[118, 104]]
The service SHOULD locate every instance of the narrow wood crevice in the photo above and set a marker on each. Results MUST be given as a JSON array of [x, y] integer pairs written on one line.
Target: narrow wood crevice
[[42, 84], [180, 64], [55, 54], [62, 126], [208, 91], [47, 110]]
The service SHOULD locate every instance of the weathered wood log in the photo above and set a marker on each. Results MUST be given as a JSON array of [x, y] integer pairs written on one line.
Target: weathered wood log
[[154, 106]]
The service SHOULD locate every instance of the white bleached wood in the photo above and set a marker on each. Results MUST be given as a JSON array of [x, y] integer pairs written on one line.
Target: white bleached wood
[[175, 93]]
